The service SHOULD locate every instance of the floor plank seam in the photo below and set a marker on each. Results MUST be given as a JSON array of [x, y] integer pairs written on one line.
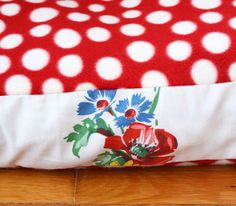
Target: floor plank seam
[[75, 187]]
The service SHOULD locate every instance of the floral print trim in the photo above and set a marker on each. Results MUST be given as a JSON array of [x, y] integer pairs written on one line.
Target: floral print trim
[[98, 102], [140, 141], [133, 110]]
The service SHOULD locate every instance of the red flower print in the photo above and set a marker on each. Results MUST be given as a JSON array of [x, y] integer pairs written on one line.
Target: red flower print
[[144, 144]]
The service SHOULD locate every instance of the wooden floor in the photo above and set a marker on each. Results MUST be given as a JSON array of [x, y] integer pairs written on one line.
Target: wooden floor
[[153, 186]]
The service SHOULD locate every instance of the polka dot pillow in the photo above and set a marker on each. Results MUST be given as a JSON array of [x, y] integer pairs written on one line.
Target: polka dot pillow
[[117, 82], [61, 46]]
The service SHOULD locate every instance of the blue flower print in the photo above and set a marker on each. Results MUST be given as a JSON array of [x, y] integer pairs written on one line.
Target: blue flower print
[[133, 111], [99, 101]]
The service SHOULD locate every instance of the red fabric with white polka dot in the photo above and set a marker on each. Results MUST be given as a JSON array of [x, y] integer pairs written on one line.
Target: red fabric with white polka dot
[[50, 46]]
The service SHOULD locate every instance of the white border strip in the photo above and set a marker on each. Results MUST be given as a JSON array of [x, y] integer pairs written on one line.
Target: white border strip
[[32, 127]]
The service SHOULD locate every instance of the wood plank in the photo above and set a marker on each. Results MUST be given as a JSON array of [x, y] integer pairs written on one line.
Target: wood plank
[[166, 185], [24, 186], [153, 186]]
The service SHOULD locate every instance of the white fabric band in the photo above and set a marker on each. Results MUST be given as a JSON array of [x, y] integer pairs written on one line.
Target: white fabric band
[[33, 128]]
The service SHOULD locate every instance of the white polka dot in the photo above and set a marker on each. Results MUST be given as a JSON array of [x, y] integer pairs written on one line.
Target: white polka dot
[[130, 3], [154, 78], [232, 72], [141, 51], [35, 59], [211, 17], [85, 86], [222, 162], [78, 17], [109, 68], [41, 30], [35, 1], [11, 41], [132, 29], [204, 72], [168, 3], [67, 38], [43, 14], [18, 84], [159, 17], [5, 63], [186, 164], [70, 65], [68, 4], [179, 50], [10, 9], [108, 19], [98, 34], [131, 14], [234, 3], [96, 7], [232, 22], [2, 26], [52, 85], [184, 27], [216, 42], [206, 4]]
